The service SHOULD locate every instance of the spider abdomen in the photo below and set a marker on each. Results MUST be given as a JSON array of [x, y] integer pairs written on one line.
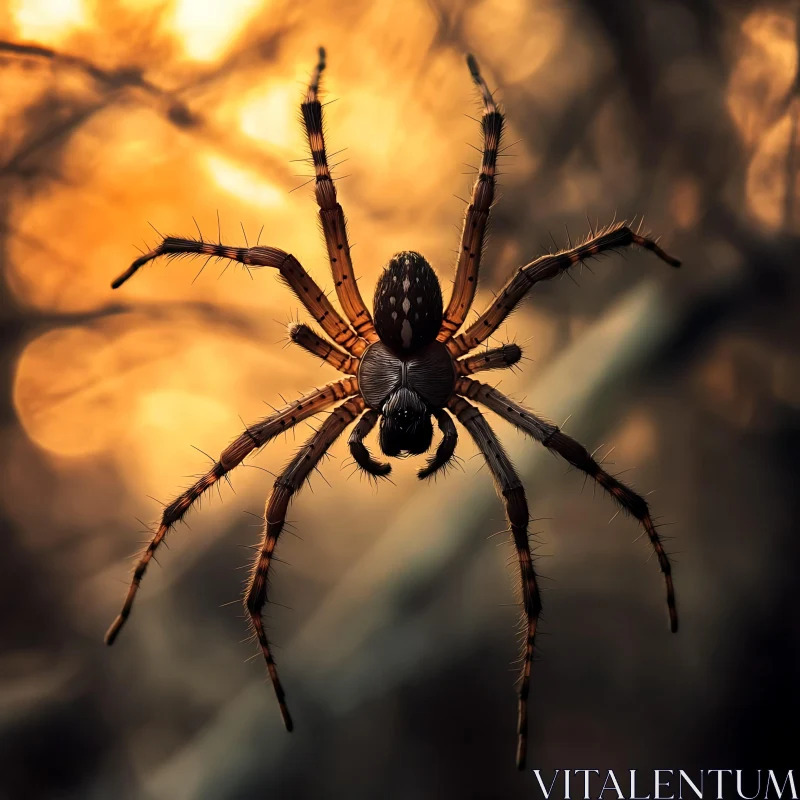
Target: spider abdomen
[[408, 303]]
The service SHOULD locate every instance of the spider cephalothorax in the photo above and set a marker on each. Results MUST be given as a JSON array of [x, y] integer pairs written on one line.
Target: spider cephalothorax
[[405, 367]]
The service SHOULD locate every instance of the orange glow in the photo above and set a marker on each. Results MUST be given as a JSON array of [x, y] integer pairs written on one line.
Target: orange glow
[[271, 116], [243, 184], [139, 386], [761, 106], [766, 177], [48, 21], [529, 33], [207, 29], [685, 202], [70, 410], [764, 72]]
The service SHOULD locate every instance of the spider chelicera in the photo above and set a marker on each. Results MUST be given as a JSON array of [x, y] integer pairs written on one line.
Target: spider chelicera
[[405, 366]]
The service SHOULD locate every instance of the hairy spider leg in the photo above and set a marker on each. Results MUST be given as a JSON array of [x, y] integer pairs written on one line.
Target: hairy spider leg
[[510, 487], [473, 233], [497, 358], [252, 439], [289, 483], [301, 334], [576, 454], [447, 447], [544, 268], [290, 269], [331, 215], [358, 449]]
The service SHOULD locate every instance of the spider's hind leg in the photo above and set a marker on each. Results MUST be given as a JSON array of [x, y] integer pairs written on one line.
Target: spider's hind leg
[[576, 454], [254, 437], [289, 483], [510, 488]]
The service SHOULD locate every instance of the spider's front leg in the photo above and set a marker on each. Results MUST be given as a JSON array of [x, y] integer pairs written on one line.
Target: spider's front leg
[[544, 268], [576, 454], [252, 439], [331, 214], [476, 219], [289, 483], [292, 272], [510, 487]]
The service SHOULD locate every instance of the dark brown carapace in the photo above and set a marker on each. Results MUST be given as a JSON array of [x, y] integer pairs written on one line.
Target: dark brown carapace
[[406, 367]]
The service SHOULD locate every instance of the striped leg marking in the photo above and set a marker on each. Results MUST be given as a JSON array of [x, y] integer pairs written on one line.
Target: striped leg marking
[[331, 215], [544, 268], [252, 439], [289, 483], [301, 334], [496, 358], [291, 271], [576, 454], [510, 488], [473, 233]]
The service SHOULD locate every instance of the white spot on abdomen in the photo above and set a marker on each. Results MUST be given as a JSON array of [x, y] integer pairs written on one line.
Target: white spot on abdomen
[[406, 305]]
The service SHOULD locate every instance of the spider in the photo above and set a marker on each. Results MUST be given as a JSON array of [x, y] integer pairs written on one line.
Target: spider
[[405, 366]]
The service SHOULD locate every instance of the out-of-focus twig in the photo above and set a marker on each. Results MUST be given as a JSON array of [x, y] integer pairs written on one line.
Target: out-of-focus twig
[[128, 81]]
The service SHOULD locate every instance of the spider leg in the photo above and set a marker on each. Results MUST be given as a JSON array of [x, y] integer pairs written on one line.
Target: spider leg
[[252, 439], [302, 334], [544, 268], [476, 219], [509, 485], [291, 271], [289, 482], [576, 454], [331, 215], [496, 358], [447, 447], [358, 449]]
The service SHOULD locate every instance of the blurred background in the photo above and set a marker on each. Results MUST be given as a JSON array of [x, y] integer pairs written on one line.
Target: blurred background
[[396, 622]]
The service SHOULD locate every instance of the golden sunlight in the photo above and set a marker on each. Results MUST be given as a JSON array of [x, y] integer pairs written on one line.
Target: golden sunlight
[[270, 116], [764, 72], [48, 21], [206, 29], [171, 419], [767, 182], [757, 100], [244, 184], [67, 391]]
